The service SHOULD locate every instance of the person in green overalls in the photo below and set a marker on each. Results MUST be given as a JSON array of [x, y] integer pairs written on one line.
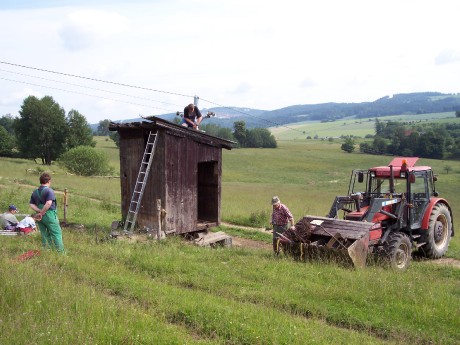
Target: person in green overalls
[[43, 201]]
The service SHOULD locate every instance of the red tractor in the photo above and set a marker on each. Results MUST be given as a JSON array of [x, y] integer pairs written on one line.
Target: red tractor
[[390, 211]]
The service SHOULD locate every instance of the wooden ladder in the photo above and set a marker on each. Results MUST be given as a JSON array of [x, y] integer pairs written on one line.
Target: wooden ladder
[[141, 181]]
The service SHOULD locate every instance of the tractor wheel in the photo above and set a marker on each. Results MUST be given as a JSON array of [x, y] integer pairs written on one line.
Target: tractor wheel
[[439, 232], [399, 251]]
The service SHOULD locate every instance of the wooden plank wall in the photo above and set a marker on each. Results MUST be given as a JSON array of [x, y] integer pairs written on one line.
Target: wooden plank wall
[[131, 152], [182, 180], [173, 179]]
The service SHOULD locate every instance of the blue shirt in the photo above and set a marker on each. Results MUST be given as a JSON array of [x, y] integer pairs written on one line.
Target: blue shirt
[[44, 194]]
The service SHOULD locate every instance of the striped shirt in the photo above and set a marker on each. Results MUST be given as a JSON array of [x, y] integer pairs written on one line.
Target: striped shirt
[[281, 215]]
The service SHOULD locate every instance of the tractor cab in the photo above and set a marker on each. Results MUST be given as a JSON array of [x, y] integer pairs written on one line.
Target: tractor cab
[[382, 194]]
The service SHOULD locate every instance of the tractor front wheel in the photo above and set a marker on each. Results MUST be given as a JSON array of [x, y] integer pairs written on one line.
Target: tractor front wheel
[[439, 232], [399, 251]]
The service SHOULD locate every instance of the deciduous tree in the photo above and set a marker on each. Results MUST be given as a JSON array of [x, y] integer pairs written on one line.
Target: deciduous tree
[[80, 133], [41, 130], [103, 127], [6, 143], [348, 145]]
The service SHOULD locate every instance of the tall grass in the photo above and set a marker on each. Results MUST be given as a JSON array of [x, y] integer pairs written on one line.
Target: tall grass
[[171, 292]]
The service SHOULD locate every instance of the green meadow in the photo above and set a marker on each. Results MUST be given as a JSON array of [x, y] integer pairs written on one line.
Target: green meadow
[[123, 291], [351, 126]]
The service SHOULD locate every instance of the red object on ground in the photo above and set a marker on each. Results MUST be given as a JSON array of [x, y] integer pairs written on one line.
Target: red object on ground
[[28, 255], [25, 230]]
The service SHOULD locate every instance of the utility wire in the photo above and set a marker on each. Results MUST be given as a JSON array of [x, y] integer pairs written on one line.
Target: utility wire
[[85, 94], [93, 79], [273, 123], [88, 87]]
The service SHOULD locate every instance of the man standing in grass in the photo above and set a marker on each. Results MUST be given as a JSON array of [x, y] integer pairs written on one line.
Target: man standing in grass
[[281, 216], [43, 201]]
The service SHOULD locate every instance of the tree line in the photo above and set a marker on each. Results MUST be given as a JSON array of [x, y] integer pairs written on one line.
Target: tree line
[[44, 131], [247, 138], [428, 140]]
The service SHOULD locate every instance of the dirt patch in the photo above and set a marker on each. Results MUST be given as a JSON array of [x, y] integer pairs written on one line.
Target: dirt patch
[[245, 243], [446, 262], [242, 227]]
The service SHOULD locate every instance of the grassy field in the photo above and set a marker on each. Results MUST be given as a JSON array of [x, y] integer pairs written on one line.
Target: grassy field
[[355, 127], [145, 292]]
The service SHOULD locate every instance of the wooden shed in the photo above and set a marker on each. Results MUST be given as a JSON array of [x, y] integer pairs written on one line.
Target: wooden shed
[[185, 174]]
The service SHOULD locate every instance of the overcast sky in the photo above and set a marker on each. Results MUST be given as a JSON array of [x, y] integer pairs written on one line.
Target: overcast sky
[[237, 53]]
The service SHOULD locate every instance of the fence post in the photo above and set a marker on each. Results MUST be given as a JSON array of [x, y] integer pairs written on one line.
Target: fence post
[[159, 219], [65, 206]]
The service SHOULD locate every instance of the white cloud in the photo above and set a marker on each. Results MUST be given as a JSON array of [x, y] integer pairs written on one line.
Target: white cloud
[[85, 28], [260, 54], [448, 56]]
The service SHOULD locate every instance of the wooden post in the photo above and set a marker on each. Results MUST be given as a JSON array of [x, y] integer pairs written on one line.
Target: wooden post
[[65, 206], [159, 219]]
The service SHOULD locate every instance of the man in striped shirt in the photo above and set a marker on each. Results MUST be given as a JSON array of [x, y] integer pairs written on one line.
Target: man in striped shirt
[[281, 217]]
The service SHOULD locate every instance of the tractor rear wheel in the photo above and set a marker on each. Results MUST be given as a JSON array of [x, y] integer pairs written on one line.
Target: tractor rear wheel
[[439, 232], [399, 251]]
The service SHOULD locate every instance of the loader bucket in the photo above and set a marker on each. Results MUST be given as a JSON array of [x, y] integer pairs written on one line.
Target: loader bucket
[[331, 239]]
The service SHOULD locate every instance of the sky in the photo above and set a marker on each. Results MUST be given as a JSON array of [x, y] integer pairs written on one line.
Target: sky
[[120, 59]]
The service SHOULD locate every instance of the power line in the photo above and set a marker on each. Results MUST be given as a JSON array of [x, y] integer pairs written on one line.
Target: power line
[[273, 123], [257, 117], [87, 87], [93, 79], [85, 94]]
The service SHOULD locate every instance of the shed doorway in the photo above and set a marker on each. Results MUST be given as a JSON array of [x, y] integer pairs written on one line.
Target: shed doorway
[[208, 192]]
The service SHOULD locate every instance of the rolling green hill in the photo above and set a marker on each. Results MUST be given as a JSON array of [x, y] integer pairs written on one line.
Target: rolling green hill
[[355, 127]]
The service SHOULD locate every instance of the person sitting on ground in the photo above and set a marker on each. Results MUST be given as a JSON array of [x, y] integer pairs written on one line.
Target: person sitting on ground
[[9, 219], [26, 225], [192, 117]]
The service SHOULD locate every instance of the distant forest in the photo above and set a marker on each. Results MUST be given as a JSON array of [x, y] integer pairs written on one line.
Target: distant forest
[[398, 104], [434, 140]]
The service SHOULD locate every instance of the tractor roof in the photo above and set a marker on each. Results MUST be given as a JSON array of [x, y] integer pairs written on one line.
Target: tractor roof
[[397, 163]]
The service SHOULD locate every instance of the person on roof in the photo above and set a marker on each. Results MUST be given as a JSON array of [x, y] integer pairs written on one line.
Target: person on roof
[[192, 117], [9, 220]]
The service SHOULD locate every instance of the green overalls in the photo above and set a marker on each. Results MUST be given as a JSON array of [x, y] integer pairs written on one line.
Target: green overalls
[[50, 229]]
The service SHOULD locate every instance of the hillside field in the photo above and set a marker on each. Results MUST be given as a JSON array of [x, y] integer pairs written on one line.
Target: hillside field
[[351, 126], [147, 292]]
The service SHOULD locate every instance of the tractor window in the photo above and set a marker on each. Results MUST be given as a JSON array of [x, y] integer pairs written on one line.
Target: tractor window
[[419, 198], [381, 186], [419, 188], [377, 185]]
